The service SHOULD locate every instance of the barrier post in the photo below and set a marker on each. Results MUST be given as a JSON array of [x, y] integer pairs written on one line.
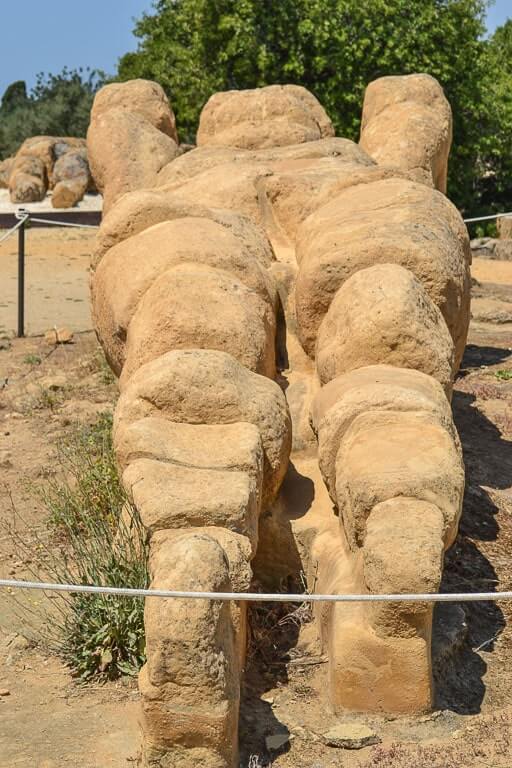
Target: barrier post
[[21, 279]]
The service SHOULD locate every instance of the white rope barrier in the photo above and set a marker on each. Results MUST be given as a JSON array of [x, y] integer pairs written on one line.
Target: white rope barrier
[[21, 220], [454, 597], [489, 218]]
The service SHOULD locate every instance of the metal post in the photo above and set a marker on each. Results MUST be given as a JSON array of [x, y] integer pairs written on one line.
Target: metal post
[[21, 280]]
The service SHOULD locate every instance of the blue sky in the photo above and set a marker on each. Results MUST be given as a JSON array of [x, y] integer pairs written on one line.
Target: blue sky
[[46, 35]]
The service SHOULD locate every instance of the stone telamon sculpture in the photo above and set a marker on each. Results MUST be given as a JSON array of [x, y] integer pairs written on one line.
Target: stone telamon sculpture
[[276, 248]]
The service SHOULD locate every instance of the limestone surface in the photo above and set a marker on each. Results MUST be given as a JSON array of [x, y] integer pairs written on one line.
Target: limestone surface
[[383, 315], [273, 116], [407, 123]]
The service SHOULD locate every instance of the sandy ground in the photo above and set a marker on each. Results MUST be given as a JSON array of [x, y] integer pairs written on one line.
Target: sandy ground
[[89, 203], [47, 721], [56, 280], [488, 271]]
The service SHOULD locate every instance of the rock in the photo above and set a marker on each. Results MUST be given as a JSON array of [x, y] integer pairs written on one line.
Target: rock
[[384, 315], [387, 221], [28, 181], [407, 123], [385, 455], [59, 336], [171, 496], [373, 388], [5, 692], [71, 178], [206, 158], [137, 211], [503, 225], [206, 657], [48, 149], [153, 252], [5, 171], [193, 475], [67, 194], [273, 116], [211, 387], [276, 741], [491, 248], [194, 306], [233, 186], [5, 459], [350, 736], [144, 97], [115, 167]]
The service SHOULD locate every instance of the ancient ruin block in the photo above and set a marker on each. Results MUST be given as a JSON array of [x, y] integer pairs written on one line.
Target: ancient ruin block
[[264, 117], [151, 255], [209, 387], [407, 123], [137, 211], [115, 168], [383, 315], [143, 97], [393, 221], [190, 684], [385, 454], [373, 388]]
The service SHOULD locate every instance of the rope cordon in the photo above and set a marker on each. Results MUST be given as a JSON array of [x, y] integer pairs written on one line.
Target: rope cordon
[[281, 597]]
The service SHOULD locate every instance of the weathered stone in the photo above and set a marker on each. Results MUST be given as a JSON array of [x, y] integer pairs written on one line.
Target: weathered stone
[[384, 315], [210, 387], [407, 123], [389, 221], [28, 181], [168, 495], [144, 97], [5, 171], [71, 178], [386, 454], [372, 388], [116, 168], [194, 306], [149, 254], [350, 736], [137, 211], [273, 116], [190, 685]]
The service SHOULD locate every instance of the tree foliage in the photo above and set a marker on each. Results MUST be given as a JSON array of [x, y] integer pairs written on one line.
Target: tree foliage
[[494, 171], [58, 105], [332, 47]]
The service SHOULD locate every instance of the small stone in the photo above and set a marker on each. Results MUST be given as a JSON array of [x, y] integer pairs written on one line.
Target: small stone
[[5, 344], [58, 336], [276, 741], [5, 459], [5, 692], [350, 736], [53, 383]]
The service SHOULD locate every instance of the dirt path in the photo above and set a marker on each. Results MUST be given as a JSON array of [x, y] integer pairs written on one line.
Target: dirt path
[[47, 720], [56, 279]]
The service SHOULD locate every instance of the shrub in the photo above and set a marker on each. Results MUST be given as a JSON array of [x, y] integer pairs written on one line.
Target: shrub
[[95, 536]]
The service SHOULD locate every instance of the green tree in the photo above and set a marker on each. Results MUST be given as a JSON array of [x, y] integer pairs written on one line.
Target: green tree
[[332, 47], [494, 172], [58, 105]]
